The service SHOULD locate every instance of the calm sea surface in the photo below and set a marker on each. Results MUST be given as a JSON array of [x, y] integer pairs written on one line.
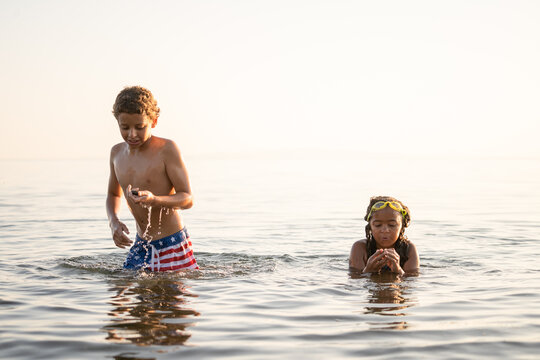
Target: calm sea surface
[[272, 237]]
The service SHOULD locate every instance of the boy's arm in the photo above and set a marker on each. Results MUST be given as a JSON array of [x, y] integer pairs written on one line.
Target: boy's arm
[[112, 204]]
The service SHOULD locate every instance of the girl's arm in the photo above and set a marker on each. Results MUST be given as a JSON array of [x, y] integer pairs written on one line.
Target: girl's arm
[[413, 263], [357, 256]]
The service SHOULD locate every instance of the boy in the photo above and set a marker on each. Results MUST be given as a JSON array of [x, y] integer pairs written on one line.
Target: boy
[[149, 171]]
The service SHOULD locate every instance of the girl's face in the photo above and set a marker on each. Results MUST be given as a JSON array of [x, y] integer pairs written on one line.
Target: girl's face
[[385, 227]]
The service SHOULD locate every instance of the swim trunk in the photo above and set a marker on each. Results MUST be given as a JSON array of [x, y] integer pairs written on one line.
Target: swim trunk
[[167, 254]]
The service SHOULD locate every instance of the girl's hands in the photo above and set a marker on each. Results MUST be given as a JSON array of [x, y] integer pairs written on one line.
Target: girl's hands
[[375, 262], [392, 258], [143, 197], [384, 257]]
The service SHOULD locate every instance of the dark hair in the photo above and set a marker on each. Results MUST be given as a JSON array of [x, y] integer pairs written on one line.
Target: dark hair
[[136, 100], [402, 243]]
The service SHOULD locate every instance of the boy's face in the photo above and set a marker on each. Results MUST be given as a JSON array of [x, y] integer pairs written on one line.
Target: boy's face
[[385, 226], [136, 129]]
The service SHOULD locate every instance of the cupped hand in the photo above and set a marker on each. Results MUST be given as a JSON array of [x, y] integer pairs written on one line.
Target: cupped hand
[[143, 197], [392, 260], [375, 261]]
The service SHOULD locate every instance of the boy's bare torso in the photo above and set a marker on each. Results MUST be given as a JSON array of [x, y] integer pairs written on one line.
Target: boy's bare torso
[[145, 169]]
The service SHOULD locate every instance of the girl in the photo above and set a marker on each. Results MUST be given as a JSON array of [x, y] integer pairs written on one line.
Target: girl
[[386, 247]]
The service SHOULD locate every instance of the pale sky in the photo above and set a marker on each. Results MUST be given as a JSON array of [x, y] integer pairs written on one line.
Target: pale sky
[[405, 77]]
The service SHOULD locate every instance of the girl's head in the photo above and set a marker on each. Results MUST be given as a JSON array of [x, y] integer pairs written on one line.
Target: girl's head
[[387, 219]]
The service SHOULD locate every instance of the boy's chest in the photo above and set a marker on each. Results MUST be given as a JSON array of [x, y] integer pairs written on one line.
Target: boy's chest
[[144, 173]]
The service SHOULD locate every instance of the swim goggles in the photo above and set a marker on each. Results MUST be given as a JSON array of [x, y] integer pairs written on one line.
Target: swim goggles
[[382, 204]]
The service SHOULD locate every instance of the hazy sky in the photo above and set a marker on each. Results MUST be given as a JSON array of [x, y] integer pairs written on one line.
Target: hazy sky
[[405, 77]]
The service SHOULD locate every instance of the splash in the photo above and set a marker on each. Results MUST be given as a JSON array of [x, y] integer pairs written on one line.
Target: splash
[[159, 223], [145, 234], [148, 224]]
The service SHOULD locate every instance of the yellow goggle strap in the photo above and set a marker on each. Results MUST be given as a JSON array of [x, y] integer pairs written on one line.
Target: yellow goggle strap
[[382, 204]]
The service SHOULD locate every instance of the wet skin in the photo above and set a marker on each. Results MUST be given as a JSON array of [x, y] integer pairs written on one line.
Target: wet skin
[[152, 167], [385, 227]]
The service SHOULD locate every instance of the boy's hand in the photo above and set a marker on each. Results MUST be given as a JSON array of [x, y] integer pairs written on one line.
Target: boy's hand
[[119, 231], [143, 197]]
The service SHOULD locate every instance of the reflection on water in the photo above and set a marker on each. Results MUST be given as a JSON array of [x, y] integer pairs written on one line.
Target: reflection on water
[[389, 296], [274, 281], [131, 356], [150, 311]]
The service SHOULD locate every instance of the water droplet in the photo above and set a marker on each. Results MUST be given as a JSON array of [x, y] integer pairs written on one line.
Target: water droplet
[[159, 223], [145, 234]]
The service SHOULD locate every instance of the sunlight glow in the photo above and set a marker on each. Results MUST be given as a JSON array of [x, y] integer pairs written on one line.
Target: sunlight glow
[[437, 78]]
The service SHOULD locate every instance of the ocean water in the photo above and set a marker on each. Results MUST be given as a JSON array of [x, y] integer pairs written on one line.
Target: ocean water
[[272, 235]]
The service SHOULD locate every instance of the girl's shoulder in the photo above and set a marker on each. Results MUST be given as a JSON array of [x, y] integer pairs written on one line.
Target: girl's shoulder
[[408, 243], [360, 242], [411, 246], [409, 249], [358, 255], [360, 245], [405, 243]]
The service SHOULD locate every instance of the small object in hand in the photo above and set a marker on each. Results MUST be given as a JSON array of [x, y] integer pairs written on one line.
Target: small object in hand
[[135, 192]]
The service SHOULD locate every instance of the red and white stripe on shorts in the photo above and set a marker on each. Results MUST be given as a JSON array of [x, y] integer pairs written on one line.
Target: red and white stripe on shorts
[[174, 257]]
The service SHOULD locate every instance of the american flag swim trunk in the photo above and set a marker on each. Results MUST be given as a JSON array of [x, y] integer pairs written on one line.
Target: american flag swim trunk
[[170, 253]]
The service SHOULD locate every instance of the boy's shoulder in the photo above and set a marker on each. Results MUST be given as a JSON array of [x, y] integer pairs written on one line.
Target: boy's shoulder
[[164, 144], [157, 142], [161, 141], [117, 148]]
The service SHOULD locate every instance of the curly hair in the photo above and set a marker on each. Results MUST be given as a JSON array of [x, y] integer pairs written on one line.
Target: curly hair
[[402, 243], [136, 100]]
